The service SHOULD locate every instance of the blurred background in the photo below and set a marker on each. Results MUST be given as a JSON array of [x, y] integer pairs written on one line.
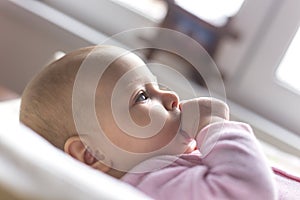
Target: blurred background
[[254, 43]]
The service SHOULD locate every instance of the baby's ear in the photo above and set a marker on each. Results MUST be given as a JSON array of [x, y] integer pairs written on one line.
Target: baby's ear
[[76, 148]]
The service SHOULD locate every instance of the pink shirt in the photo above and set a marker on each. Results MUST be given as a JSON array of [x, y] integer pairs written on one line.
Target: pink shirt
[[233, 167]]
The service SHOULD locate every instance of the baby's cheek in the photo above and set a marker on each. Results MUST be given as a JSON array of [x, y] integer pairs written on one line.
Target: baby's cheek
[[140, 117], [154, 116]]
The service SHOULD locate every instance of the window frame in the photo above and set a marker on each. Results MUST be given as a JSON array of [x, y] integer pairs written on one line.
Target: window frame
[[253, 83]]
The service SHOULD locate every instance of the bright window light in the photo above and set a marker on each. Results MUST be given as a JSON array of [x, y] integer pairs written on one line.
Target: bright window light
[[215, 12], [154, 9], [289, 69]]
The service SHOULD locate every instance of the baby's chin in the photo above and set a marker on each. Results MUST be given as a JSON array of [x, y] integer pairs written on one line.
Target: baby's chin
[[191, 147]]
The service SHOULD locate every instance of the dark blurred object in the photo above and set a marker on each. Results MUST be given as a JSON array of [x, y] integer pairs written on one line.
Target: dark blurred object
[[207, 34]]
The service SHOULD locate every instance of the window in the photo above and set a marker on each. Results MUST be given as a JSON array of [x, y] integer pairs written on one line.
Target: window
[[289, 69], [215, 12], [252, 75], [154, 9]]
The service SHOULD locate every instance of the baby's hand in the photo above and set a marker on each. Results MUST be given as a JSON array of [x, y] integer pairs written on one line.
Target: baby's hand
[[199, 112]]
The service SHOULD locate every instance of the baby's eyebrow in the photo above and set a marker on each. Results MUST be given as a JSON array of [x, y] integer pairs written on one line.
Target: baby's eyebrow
[[153, 79]]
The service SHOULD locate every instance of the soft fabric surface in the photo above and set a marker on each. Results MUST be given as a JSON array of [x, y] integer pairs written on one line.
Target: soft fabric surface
[[288, 185]]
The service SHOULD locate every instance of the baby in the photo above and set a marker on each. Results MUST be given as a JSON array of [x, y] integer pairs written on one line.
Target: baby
[[143, 134]]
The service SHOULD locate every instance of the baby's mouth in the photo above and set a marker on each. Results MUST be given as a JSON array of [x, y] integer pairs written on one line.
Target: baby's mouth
[[180, 106]]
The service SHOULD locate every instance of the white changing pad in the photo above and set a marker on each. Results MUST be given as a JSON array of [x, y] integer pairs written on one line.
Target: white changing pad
[[31, 168]]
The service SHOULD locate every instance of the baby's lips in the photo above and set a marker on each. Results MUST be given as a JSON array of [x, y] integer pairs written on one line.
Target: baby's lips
[[180, 105]]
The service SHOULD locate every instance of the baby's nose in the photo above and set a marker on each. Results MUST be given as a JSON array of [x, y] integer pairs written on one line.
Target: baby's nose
[[169, 99]]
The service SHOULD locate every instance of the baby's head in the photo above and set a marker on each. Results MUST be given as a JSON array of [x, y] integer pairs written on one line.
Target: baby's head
[[138, 119]]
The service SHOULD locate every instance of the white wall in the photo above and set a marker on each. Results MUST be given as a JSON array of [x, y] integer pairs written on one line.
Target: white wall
[[105, 16], [26, 43]]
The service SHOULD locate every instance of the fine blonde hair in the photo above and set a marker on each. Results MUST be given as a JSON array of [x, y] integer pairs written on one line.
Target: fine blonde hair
[[46, 103]]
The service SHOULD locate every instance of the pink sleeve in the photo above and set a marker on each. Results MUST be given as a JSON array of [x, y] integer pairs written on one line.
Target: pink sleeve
[[235, 165], [232, 167]]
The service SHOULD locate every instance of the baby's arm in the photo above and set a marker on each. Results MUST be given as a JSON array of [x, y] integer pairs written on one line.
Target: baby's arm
[[233, 165], [236, 166]]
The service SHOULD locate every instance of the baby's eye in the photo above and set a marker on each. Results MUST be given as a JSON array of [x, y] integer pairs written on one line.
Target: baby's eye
[[142, 96]]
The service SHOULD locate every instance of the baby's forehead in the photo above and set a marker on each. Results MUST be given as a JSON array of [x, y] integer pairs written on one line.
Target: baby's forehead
[[125, 64], [114, 65], [139, 75]]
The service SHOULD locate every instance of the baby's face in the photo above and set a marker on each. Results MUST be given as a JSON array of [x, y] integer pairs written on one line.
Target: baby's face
[[135, 113]]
